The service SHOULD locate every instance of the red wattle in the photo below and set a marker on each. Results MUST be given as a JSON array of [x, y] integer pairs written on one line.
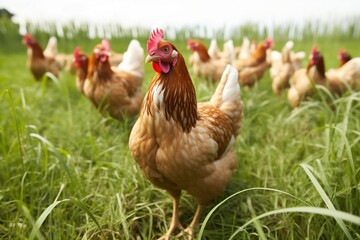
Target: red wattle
[[156, 67]]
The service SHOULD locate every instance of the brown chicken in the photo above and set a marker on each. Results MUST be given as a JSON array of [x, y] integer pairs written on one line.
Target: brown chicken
[[81, 61], [257, 57], [303, 81], [112, 90], [252, 69], [346, 76], [289, 63], [180, 144], [203, 65], [37, 62]]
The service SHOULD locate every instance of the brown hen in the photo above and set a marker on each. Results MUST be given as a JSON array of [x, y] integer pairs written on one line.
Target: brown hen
[[37, 62], [113, 90], [180, 144]]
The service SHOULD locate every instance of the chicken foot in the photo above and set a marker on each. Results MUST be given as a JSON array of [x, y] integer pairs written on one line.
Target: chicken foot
[[189, 231], [175, 221]]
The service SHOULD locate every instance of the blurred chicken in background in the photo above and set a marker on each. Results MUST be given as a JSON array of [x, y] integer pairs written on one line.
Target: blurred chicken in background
[[283, 66], [37, 62], [116, 90], [252, 69]]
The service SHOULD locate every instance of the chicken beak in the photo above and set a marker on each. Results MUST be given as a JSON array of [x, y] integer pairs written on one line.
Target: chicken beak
[[151, 58]]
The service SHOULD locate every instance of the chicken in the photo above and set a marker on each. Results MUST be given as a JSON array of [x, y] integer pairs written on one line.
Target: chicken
[[81, 61], [116, 90], [346, 76], [37, 62], [180, 144], [303, 81], [203, 65], [282, 70], [252, 69]]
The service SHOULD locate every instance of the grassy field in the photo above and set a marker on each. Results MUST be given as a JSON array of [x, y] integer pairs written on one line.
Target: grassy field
[[66, 173]]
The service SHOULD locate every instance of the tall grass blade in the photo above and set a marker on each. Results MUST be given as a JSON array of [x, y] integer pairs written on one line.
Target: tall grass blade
[[55, 151], [343, 216], [27, 214], [208, 216], [43, 216], [122, 216], [91, 215], [325, 198], [257, 224]]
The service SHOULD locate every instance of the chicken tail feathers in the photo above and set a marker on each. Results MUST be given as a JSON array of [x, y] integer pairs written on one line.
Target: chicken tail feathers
[[133, 61], [227, 97], [51, 48]]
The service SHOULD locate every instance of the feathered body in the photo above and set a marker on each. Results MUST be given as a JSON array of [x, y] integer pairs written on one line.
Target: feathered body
[[303, 81], [282, 72], [180, 144], [111, 90], [346, 76], [115, 58], [257, 57], [37, 62], [253, 68]]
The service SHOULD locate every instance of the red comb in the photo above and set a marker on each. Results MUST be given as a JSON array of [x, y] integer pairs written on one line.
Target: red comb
[[314, 50], [77, 52], [341, 51], [269, 42], [27, 36], [156, 36], [105, 44]]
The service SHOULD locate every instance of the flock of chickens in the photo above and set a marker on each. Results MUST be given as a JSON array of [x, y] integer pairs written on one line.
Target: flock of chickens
[[252, 60], [169, 115]]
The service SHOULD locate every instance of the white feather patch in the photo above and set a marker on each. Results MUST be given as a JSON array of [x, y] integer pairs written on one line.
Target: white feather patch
[[133, 61], [289, 44], [231, 89], [158, 95], [357, 63]]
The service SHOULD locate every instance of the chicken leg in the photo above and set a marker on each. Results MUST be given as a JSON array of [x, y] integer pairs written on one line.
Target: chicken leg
[[175, 222], [189, 231]]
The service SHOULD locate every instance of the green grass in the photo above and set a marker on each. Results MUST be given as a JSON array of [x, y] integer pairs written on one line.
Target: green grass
[[66, 173]]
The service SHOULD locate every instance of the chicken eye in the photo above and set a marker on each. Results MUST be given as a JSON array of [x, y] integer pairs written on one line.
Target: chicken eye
[[166, 49]]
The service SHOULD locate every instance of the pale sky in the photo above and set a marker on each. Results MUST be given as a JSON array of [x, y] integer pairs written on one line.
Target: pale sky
[[161, 13]]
